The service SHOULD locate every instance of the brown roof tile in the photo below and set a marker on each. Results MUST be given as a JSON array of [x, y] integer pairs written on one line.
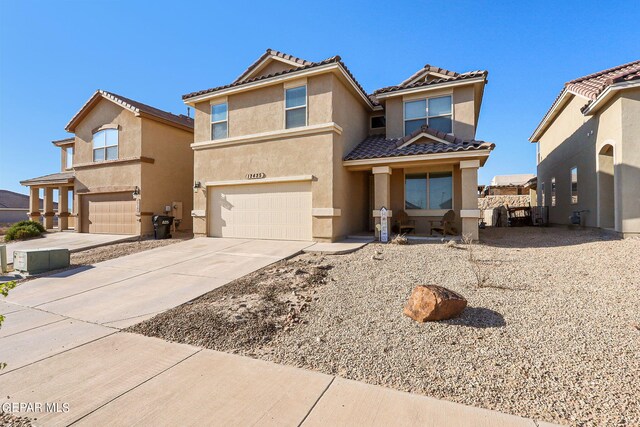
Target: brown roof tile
[[134, 106], [429, 68], [463, 76], [377, 146], [268, 53], [62, 177]]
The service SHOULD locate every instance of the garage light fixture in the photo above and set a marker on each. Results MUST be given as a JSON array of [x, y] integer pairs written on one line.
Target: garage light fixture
[[196, 185], [136, 192]]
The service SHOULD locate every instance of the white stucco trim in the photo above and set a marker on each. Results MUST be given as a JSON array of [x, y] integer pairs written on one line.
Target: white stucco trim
[[265, 136], [469, 164], [198, 213], [381, 169], [430, 87], [376, 213], [326, 212], [417, 158], [469, 213], [424, 135], [260, 181]]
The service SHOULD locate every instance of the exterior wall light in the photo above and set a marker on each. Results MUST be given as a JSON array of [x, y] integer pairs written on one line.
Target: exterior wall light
[[136, 192], [196, 186]]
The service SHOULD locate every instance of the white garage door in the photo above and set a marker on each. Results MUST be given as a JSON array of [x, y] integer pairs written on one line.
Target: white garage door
[[280, 211]]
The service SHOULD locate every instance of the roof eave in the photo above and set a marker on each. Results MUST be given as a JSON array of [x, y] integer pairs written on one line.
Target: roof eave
[[606, 95], [402, 91]]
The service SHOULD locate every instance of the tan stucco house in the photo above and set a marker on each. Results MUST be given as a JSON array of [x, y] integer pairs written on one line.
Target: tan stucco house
[[588, 156], [294, 149], [126, 162]]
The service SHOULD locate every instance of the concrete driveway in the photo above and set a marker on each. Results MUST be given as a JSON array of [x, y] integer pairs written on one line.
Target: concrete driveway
[[124, 291], [66, 240]]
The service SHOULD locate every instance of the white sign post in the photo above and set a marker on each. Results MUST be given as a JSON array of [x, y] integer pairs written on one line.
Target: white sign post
[[384, 225]]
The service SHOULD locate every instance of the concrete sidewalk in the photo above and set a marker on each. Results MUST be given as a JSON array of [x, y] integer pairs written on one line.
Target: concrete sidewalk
[[124, 379]]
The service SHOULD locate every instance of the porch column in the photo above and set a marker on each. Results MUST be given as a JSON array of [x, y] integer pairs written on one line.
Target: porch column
[[381, 192], [34, 203], [469, 211], [63, 209], [48, 208]]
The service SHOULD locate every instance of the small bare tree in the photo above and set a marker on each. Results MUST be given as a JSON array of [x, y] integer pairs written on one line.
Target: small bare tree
[[476, 266]]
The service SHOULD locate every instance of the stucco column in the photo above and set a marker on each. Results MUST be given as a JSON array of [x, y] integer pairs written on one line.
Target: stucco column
[[34, 203], [381, 191], [63, 210], [48, 208], [469, 211]]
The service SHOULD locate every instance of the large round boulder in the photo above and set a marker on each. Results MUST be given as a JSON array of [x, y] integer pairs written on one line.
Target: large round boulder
[[432, 302]]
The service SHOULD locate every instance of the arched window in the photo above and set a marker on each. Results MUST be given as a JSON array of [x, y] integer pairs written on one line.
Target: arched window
[[105, 145]]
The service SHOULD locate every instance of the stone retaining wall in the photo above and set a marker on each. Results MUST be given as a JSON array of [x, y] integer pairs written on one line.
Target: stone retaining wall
[[490, 202]]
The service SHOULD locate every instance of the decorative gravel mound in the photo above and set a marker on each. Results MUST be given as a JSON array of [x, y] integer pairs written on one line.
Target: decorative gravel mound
[[564, 346]]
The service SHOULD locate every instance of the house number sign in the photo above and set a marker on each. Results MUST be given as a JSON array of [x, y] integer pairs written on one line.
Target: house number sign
[[258, 175], [384, 225]]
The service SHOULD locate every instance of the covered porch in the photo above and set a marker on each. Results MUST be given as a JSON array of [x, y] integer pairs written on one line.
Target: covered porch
[[63, 184], [422, 179]]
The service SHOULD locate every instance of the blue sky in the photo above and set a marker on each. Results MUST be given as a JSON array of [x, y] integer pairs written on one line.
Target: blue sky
[[55, 54]]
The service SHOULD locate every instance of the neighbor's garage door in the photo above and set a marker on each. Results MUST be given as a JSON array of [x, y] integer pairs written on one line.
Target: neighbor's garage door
[[113, 213], [279, 211]]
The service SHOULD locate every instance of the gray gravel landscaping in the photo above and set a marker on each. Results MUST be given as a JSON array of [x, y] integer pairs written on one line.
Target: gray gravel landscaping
[[552, 334]]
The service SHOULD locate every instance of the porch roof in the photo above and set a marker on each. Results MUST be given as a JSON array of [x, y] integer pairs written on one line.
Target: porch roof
[[51, 179], [378, 146]]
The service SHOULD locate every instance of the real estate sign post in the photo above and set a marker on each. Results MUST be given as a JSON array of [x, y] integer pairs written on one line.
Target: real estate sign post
[[384, 225]]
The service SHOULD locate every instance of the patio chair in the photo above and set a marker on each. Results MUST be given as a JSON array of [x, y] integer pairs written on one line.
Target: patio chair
[[445, 225], [404, 224]]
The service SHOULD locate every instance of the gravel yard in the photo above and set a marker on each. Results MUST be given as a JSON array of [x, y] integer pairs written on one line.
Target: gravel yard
[[553, 333]]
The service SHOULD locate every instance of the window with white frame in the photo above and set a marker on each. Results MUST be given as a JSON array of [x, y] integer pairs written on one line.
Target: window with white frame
[[542, 198], [433, 190], [574, 185], [69, 158], [553, 191], [219, 123], [295, 109], [105, 145], [437, 113]]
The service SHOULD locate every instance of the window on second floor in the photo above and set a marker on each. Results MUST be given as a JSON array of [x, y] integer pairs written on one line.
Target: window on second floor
[[378, 122], [295, 109], [432, 190], [69, 159], [574, 186], [437, 113], [105, 145], [219, 123]]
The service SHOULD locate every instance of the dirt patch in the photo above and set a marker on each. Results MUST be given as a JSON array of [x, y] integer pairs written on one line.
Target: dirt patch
[[244, 315], [7, 419]]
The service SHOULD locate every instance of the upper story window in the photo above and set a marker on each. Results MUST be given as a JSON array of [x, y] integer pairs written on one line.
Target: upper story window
[[432, 190], [105, 145], [295, 109], [437, 113], [574, 185], [219, 123], [69, 159], [378, 122]]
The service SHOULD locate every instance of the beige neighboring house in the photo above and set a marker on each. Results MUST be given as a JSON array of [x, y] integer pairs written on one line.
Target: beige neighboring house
[[588, 151], [126, 162], [294, 149], [508, 185]]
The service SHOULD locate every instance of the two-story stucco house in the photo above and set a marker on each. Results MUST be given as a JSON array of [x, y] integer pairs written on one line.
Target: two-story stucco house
[[126, 162], [294, 149], [588, 151]]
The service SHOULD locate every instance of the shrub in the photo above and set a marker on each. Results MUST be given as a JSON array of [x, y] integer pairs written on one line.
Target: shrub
[[24, 230]]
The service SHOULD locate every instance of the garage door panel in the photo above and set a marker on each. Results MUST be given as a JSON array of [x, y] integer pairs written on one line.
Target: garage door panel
[[113, 213], [263, 211]]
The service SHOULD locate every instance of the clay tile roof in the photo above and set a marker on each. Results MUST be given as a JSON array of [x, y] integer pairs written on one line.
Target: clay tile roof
[[268, 53], [377, 146], [134, 106], [334, 59], [592, 85], [457, 77], [428, 68], [60, 177]]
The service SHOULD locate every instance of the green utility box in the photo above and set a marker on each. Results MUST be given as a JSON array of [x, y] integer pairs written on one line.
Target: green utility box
[[34, 261]]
